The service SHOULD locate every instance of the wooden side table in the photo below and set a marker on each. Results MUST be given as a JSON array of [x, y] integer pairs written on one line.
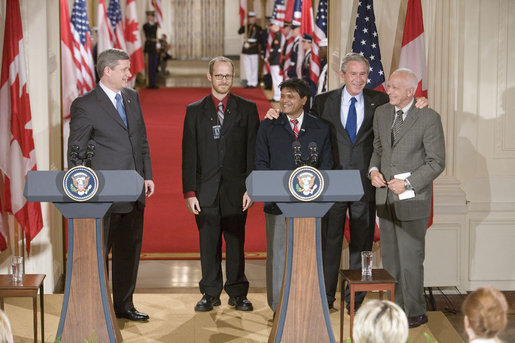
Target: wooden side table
[[27, 288], [380, 281]]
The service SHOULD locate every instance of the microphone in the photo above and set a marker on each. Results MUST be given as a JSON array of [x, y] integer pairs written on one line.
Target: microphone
[[74, 155], [90, 153], [313, 154], [297, 155]]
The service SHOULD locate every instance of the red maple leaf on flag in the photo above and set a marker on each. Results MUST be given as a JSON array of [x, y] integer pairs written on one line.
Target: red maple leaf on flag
[[131, 31]]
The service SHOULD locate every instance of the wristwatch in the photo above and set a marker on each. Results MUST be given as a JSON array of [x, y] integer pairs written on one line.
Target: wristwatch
[[407, 185]]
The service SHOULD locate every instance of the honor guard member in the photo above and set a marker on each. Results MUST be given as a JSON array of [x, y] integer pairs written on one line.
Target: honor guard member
[[250, 49], [307, 42], [292, 70], [151, 49], [275, 59], [322, 78]]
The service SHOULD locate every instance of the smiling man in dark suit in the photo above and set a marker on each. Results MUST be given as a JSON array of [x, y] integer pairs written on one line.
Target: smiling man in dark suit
[[110, 116], [218, 147], [274, 152]]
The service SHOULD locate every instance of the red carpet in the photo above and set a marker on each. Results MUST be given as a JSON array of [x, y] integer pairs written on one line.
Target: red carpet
[[170, 230]]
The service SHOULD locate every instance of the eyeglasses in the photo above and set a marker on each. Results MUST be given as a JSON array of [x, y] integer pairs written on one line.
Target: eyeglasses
[[220, 77]]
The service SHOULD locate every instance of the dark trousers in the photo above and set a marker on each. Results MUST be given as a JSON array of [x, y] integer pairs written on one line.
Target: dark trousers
[[123, 234], [212, 225], [362, 224], [153, 62]]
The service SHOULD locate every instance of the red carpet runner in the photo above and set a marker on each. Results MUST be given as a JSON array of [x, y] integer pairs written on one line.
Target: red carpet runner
[[170, 230]]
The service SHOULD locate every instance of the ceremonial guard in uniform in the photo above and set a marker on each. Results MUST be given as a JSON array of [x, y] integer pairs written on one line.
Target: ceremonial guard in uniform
[[151, 49], [250, 50]]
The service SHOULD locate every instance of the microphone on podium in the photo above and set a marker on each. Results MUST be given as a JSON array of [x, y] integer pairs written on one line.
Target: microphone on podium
[[313, 154], [297, 155]]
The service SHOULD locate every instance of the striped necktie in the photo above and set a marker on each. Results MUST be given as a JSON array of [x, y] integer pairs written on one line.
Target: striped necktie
[[397, 124], [295, 122], [220, 113]]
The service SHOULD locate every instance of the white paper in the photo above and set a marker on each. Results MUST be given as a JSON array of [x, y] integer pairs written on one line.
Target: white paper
[[407, 194]]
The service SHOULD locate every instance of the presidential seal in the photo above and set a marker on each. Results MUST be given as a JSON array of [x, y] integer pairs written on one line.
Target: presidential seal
[[306, 183], [80, 183]]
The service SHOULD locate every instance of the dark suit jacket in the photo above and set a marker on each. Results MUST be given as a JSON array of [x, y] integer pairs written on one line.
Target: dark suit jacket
[[210, 164], [274, 145], [94, 117], [420, 150], [348, 155]]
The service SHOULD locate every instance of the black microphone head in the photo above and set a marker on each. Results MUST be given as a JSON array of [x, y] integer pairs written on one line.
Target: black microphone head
[[75, 148], [295, 144], [312, 145]]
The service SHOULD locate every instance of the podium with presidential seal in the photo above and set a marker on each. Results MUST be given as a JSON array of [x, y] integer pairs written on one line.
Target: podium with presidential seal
[[84, 196], [304, 196]]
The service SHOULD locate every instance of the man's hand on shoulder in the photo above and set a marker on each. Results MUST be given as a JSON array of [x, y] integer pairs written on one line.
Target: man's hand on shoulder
[[421, 102], [192, 205], [272, 113]]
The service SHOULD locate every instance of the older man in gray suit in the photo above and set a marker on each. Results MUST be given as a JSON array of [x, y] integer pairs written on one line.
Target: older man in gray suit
[[409, 153]]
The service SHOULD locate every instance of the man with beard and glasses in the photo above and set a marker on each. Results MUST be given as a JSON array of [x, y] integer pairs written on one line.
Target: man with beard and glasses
[[217, 156]]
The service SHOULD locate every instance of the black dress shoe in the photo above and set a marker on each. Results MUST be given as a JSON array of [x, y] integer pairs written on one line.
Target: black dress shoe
[[206, 303], [330, 304], [416, 321], [356, 307], [241, 303], [133, 315]]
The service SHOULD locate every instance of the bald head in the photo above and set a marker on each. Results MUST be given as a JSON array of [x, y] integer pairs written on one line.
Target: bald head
[[401, 87]]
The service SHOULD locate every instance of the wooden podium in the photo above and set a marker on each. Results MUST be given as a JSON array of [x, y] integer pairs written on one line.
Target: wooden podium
[[303, 314], [87, 312]]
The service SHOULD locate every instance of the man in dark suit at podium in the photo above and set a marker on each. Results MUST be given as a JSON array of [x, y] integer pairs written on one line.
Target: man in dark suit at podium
[[218, 148], [110, 117], [274, 152]]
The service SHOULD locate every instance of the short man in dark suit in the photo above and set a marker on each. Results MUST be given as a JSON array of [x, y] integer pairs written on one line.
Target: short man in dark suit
[[274, 152], [409, 153], [352, 143], [110, 115], [218, 150], [151, 48]]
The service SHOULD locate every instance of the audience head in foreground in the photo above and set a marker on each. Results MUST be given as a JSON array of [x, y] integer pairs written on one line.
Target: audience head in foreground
[[485, 314], [380, 321]]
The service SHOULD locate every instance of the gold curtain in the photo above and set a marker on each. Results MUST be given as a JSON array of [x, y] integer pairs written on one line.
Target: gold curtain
[[198, 28]]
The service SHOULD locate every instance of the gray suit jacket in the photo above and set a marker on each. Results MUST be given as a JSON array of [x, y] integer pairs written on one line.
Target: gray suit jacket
[[94, 117], [420, 150]]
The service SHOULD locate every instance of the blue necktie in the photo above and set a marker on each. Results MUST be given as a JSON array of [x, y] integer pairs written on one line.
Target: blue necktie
[[121, 110], [352, 119]]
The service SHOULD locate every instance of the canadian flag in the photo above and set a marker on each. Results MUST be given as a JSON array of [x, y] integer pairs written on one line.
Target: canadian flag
[[104, 34], [17, 153], [413, 48], [242, 11], [69, 86], [133, 40]]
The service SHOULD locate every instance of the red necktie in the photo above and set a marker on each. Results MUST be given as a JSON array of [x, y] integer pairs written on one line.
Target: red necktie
[[295, 128]]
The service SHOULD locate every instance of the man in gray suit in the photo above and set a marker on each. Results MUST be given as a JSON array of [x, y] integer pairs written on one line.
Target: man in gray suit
[[409, 153], [110, 116]]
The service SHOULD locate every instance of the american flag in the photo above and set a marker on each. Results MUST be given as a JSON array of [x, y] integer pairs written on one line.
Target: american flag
[[114, 14], [278, 19], [287, 54], [279, 13], [297, 12], [319, 34], [159, 11], [366, 43], [82, 51]]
